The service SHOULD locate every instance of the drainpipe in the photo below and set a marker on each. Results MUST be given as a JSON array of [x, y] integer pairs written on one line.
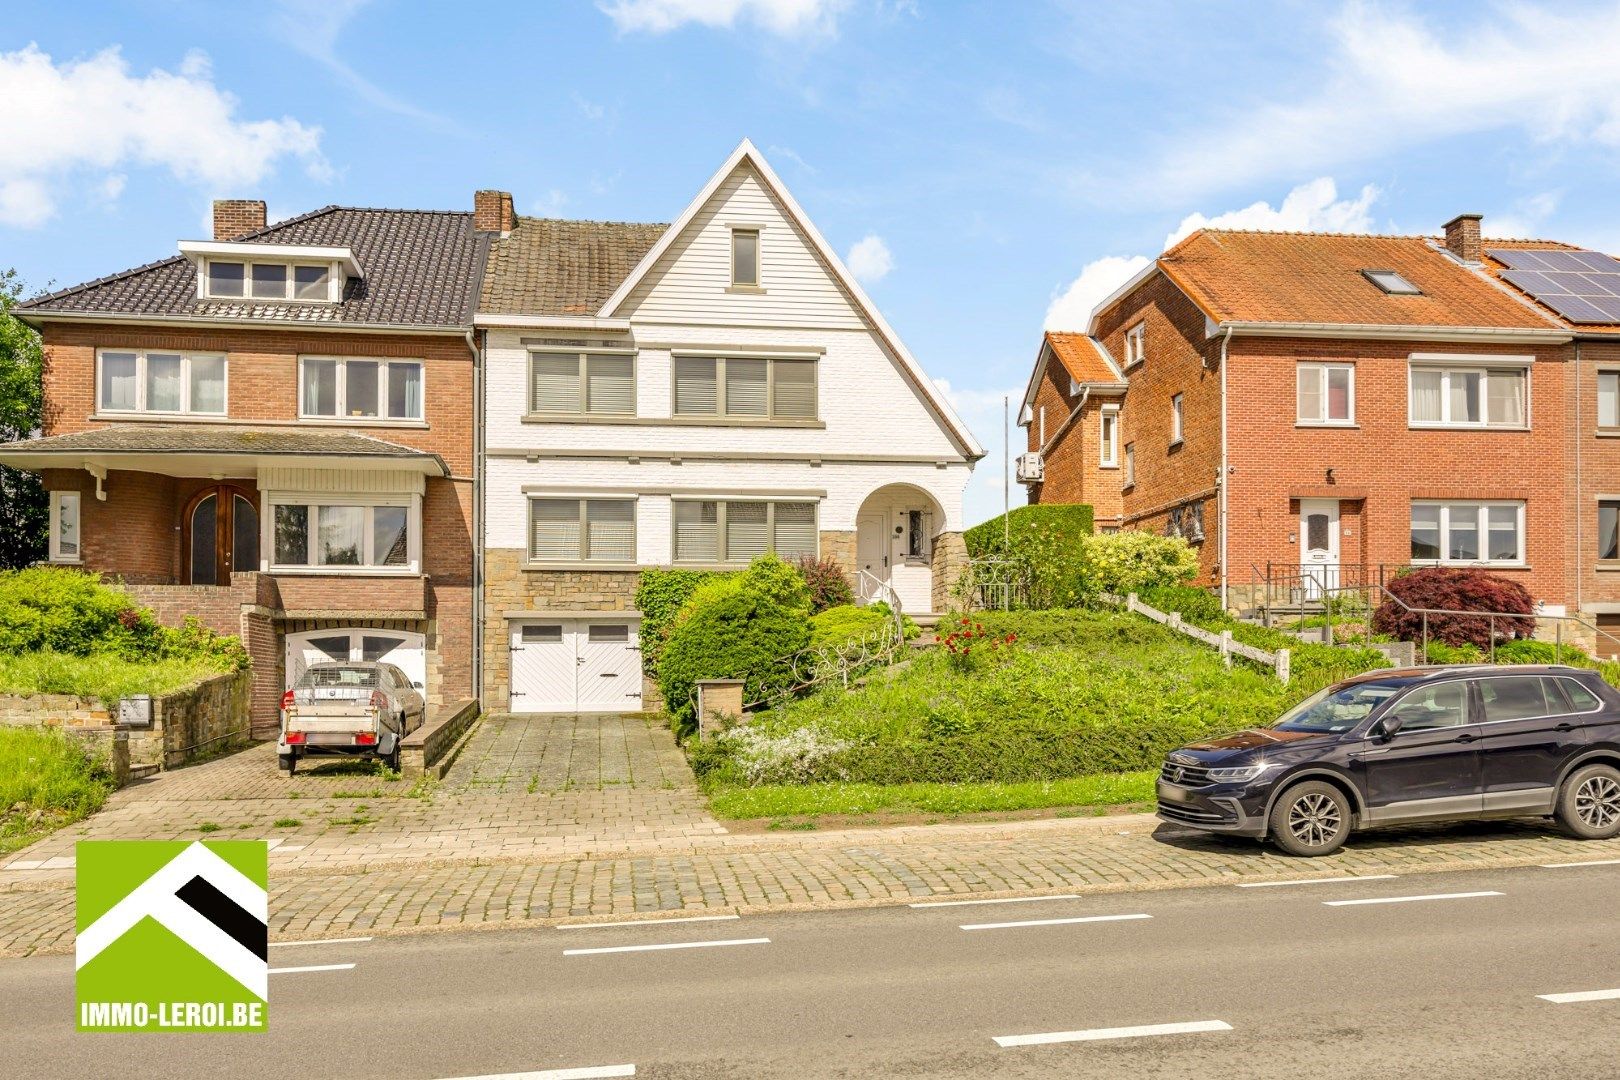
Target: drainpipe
[[1226, 571], [1580, 491], [477, 518]]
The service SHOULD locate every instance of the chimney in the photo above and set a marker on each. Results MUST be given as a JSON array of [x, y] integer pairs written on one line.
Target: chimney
[[1462, 237], [492, 212], [235, 218]]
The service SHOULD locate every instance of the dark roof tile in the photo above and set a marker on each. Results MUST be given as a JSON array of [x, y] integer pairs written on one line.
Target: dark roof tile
[[551, 267]]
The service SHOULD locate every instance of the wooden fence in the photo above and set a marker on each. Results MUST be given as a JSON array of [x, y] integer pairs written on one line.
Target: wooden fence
[[1223, 641]]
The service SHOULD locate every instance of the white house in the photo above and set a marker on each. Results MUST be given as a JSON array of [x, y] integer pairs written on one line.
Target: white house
[[691, 395]]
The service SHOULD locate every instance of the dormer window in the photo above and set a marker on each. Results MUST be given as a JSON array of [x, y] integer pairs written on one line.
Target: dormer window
[[1392, 283], [272, 272]]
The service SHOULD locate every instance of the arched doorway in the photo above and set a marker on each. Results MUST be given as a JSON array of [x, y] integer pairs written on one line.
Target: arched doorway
[[894, 546], [220, 535]]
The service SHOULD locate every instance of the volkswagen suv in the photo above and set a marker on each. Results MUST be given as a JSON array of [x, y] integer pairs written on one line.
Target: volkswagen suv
[[1414, 745]]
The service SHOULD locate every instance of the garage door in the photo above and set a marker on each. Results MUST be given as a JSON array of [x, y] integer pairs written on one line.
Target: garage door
[[401, 648], [576, 665], [1608, 642]]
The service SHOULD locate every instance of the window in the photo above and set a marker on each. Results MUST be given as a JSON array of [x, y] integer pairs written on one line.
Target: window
[[919, 534], [158, 382], [582, 530], [537, 634], [65, 526], [1468, 532], [336, 388], [1326, 393], [1177, 431], [1608, 539], [1609, 399], [269, 281], [310, 534], [745, 387], [1441, 705], [580, 383], [745, 257], [1520, 697], [1130, 464], [1136, 344], [1392, 283], [714, 531], [1469, 397], [1108, 439]]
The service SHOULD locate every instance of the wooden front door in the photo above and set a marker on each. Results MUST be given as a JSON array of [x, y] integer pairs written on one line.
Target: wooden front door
[[221, 535]]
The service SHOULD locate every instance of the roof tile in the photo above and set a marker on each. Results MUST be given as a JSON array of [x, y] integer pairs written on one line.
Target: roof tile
[[551, 267]]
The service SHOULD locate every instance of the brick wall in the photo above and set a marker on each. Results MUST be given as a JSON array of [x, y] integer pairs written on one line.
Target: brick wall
[[1074, 473]]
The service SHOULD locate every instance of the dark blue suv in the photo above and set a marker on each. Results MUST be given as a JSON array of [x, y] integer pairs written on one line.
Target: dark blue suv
[[1415, 745]]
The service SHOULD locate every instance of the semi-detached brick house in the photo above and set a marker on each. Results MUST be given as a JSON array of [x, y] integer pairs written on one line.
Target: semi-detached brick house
[[273, 430], [1326, 408]]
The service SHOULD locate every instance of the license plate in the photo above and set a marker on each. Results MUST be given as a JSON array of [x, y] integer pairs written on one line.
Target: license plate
[[332, 693], [1174, 794]]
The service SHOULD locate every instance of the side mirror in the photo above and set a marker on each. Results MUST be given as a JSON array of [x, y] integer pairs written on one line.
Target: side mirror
[[1386, 727]]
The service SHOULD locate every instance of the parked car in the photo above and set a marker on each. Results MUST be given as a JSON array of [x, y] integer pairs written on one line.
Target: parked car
[[357, 709], [1415, 745]]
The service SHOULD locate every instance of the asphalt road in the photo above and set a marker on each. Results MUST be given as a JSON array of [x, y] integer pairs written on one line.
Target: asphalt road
[[1281, 981]]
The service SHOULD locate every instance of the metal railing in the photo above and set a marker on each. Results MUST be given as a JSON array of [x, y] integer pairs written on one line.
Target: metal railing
[[873, 588], [1292, 585], [993, 584], [809, 668]]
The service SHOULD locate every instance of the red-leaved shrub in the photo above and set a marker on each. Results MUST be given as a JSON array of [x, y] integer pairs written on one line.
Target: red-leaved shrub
[[1456, 589], [829, 587]]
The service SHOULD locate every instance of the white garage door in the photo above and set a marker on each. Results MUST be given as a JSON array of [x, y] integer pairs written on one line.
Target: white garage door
[[401, 648], [576, 665]]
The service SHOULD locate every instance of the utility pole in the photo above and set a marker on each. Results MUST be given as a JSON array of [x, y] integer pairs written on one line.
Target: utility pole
[[1006, 482]]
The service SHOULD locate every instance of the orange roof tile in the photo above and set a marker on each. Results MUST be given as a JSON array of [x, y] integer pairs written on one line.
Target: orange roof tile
[[1080, 358]]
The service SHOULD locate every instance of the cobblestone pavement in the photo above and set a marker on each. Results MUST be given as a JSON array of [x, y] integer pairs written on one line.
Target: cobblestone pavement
[[520, 753]]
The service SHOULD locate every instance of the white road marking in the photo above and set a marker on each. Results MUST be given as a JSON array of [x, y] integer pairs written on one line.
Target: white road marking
[[1583, 995], [645, 922], [1009, 900], [1052, 922], [1313, 881], [1408, 899], [1594, 862], [313, 967], [673, 945], [323, 941], [590, 1073], [1096, 1034]]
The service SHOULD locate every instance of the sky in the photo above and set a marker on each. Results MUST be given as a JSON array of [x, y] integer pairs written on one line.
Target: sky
[[985, 169]]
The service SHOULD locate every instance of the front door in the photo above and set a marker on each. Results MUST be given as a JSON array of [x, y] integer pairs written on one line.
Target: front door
[[871, 554], [221, 528], [1318, 546], [1430, 768], [576, 665]]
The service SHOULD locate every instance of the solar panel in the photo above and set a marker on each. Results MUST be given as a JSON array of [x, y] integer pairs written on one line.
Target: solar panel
[[1582, 286]]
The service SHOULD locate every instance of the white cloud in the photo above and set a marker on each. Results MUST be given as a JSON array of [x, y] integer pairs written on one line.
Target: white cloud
[[785, 18], [1314, 206], [588, 108], [869, 259], [1526, 218], [791, 155], [548, 205], [94, 118], [1390, 80], [313, 27]]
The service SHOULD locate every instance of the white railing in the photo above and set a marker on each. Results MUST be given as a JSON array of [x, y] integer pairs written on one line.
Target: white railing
[[1223, 641], [872, 587]]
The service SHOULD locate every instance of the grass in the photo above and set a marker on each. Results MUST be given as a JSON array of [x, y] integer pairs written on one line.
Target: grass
[[46, 781], [208, 826], [787, 800], [287, 823], [101, 675]]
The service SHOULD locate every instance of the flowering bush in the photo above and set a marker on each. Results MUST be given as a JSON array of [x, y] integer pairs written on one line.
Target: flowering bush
[[756, 757], [969, 646], [1135, 561]]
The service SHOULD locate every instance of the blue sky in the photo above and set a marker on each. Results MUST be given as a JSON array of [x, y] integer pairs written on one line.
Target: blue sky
[[987, 168]]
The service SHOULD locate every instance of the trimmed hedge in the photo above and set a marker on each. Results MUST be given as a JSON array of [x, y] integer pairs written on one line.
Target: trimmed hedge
[[838, 625], [660, 595], [1066, 519]]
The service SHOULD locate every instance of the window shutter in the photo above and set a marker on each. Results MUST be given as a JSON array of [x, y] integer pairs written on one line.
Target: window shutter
[[556, 383], [554, 530], [697, 532], [611, 535], [694, 385], [795, 390], [610, 385], [745, 531], [745, 387], [795, 530]]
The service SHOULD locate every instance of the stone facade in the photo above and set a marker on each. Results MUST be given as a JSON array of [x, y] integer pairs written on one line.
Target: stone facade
[[949, 562], [839, 546]]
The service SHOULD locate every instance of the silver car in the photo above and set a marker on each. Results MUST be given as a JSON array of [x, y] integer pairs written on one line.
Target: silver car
[[358, 709]]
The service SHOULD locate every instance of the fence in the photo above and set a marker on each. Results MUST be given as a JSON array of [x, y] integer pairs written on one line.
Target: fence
[[992, 584], [1223, 641]]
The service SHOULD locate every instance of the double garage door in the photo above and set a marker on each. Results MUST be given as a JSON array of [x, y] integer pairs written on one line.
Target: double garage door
[[576, 665]]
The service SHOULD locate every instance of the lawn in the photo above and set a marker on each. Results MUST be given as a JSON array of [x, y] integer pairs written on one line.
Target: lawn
[[789, 800], [46, 782], [103, 676]]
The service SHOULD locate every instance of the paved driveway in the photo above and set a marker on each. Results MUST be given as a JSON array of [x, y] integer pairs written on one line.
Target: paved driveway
[[533, 753]]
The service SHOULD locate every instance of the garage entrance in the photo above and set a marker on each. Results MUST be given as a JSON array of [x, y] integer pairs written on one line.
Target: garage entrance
[[401, 648], [576, 665]]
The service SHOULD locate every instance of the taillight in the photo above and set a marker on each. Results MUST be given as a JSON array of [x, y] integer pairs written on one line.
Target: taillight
[[365, 738], [295, 738], [287, 700]]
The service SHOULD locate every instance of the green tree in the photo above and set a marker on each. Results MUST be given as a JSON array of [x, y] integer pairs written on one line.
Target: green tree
[[24, 506]]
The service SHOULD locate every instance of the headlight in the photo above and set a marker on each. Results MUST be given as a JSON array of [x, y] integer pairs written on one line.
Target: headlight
[[1240, 775]]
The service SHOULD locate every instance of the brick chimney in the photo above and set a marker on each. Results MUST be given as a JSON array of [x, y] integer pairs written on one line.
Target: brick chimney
[[492, 211], [235, 218], [1462, 237]]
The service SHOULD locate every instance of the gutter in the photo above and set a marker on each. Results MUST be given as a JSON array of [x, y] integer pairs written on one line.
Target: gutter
[[554, 322], [1226, 472], [1580, 490], [1510, 335], [478, 598], [37, 319]]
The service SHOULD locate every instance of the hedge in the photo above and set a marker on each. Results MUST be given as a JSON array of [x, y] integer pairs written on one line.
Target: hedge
[[988, 538], [660, 595]]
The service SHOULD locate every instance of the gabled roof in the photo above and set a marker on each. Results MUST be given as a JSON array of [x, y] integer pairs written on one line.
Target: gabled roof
[[1083, 358], [551, 267], [422, 269]]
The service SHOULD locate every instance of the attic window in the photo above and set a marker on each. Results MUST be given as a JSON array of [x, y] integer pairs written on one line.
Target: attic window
[[1392, 283]]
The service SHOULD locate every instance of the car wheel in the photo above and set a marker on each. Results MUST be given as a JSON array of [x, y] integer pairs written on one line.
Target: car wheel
[[288, 763], [1589, 803], [1310, 819]]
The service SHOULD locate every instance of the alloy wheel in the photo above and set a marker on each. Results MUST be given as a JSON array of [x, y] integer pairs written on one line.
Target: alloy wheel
[[1597, 802], [1314, 819]]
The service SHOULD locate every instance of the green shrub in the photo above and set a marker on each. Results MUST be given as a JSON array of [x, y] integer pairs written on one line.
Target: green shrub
[[1439, 652], [1066, 519], [841, 625], [1529, 651], [1133, 561], [779, 583], [46, 780], [70, 611], [1194, 604], [1039, 550], [660, 595], [828, 584]]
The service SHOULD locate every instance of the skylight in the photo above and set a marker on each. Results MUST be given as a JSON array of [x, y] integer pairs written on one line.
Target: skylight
[[1392, 283]]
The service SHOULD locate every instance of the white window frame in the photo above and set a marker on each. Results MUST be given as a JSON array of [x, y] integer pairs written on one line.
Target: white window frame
[[759, 256], [1484, 367], [384, 367], [1178, 418], [314, 500], [1108, 437], [530, 498], [1322, 370], [1612, 374], [60, 502], [583, 404], [1136, 344], [720, 411], [1481, 509], [1130, 465], [334, 281], [721, 502], [185, 382]]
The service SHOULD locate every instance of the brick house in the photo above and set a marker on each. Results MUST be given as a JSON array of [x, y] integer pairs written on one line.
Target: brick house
[[273, 430], [1326, 408]]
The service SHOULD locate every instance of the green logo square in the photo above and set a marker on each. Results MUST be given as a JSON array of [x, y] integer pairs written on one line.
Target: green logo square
[[172, 935]]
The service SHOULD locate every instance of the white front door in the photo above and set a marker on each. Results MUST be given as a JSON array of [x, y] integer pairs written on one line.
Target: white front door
[[403, 649], [1318, 546], [576, 665], [871, 553]]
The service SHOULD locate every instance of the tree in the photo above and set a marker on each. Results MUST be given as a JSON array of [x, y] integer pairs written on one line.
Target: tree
[[24, 506]]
